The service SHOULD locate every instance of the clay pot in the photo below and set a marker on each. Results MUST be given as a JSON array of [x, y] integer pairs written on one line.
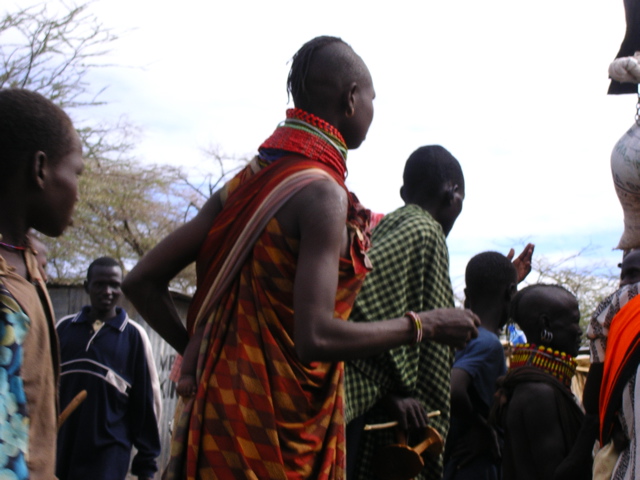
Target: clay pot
[[625, 169]]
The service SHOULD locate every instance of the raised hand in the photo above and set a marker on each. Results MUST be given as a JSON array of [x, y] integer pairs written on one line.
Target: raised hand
[[523, 262]]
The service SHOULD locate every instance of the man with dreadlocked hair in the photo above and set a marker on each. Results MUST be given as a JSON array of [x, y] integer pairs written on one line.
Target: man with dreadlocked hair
[[534, 404], [280, 254]]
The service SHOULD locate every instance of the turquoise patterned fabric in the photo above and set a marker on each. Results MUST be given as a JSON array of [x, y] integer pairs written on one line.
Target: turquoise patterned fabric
[[14, 421]]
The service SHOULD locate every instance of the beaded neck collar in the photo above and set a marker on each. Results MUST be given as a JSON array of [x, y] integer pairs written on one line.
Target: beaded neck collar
[[555, 363], [305, 134]]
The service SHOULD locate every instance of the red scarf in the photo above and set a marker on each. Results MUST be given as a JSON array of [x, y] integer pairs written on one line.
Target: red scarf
[[620, 363], [314, 139]]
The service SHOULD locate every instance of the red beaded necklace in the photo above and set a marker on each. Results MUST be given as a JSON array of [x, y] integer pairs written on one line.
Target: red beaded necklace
[[310, 136], [12, 247], [556, 363]]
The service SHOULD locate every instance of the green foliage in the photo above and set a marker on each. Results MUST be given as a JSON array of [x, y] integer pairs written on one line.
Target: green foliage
[[125, 206], [51, 52]]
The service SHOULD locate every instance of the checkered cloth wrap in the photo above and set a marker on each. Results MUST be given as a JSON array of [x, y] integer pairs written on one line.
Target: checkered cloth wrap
[[259, 412], [410, 272]]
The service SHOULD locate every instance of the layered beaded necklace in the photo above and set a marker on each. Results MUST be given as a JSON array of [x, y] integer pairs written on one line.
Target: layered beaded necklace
[[558, 364], [305, 134]]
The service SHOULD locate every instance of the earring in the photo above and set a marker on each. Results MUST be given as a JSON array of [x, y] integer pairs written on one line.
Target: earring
[[546, 336]]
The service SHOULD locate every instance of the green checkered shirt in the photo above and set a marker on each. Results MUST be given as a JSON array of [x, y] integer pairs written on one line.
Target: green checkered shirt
[[410, 272]]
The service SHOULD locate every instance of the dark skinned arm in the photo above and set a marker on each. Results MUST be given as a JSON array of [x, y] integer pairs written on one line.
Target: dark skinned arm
[[461, 406], [591, 393], [187, 384], [480, 438], [533, 425], [317, 215], [319, 212], [581, 453], [147, 285]]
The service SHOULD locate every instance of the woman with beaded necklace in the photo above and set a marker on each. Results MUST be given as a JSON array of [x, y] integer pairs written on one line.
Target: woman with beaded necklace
[[534, 404]]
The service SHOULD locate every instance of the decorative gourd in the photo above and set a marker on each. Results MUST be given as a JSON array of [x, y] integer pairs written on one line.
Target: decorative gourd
[[625, 169], [624, 72]]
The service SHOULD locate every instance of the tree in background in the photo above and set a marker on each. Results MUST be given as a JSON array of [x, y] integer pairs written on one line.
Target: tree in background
[[589, 282], [125, 206]]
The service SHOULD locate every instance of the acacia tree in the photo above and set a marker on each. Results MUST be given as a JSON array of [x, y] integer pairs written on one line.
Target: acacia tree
[[590, 282], [51, 52], [125, 206]]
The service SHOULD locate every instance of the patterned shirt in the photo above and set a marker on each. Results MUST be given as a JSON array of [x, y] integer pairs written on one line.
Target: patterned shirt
[[14, 420], [40, 364], [598, 329], [410, 272]]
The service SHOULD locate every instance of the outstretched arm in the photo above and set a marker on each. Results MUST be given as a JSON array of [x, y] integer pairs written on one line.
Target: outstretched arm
[[319, 212], [147, 285]]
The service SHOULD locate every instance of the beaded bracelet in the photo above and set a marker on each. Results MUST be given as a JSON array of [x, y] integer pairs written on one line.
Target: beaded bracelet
[[413, 316]]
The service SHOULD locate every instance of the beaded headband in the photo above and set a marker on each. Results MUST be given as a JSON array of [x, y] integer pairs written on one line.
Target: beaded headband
[[556, 363]]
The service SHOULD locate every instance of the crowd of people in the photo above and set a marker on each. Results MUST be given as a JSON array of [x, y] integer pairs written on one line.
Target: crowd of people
[[318, 335]]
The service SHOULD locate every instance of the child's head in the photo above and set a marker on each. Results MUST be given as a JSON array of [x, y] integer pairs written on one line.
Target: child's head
[[40, 159], [490, 279], [549, 315], [328, 79], [630, 268], [433, 180]]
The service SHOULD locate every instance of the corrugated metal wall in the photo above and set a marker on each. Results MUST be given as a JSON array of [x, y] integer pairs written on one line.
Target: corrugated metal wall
[[69, 299]]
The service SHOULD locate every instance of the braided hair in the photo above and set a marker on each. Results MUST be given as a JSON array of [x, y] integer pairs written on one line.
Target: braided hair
[[297, 85]]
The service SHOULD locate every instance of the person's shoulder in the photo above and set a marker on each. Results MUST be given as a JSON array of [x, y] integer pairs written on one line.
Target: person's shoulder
[[489, 339], [412, 222], [135, 328], [530, 396], [320, 191], [323, 202], [485, 346], [615, 301], [66, 319], [484, 341]]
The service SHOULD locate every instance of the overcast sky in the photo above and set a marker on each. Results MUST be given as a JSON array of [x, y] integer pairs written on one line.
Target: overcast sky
[[515, 90]]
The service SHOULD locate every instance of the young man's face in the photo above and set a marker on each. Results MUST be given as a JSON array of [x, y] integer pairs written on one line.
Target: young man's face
[[449, 215], [355, 130], [564, 321], [103, 288], [61, 191]]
